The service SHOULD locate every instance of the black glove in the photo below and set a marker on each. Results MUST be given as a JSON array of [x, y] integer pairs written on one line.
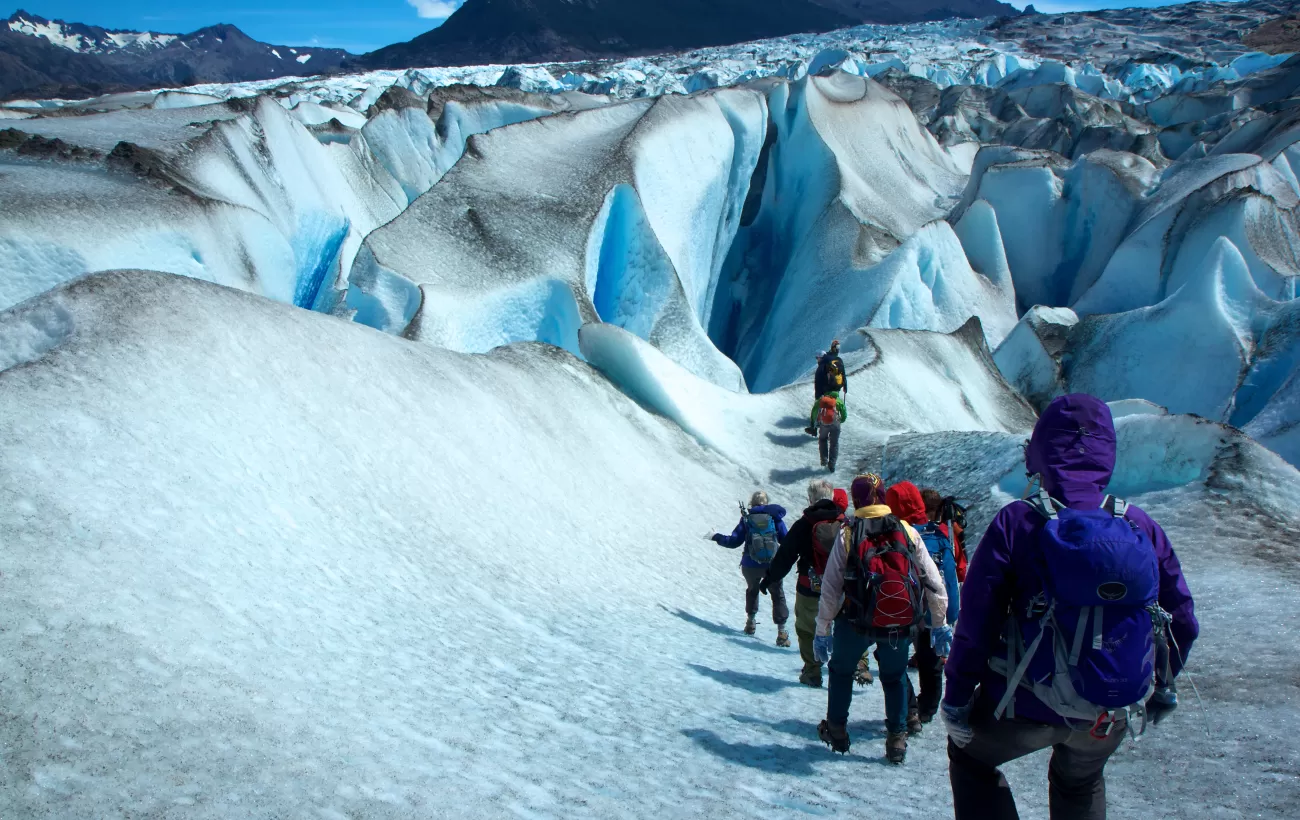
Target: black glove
[[762, 586], [1161, 704]]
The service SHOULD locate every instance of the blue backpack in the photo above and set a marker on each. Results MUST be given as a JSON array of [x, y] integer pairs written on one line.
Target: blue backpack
[[940, 549], [761, 542], [1086, 644]]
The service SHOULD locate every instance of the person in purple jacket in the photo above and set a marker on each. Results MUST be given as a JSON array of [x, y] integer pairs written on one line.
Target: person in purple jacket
[[1072, 452]]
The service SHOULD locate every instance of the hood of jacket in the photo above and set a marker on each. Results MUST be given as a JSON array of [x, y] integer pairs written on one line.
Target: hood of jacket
[[873, 511], [905, 500], [824, 510], [1073, 449], [774, 510], [841, 500]]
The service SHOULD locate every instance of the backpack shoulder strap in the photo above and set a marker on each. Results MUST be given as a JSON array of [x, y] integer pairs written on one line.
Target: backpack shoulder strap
[[1044, 505], [1117, 507]]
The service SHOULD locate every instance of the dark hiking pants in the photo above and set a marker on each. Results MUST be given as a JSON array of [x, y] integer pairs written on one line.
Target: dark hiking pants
[[780, 610], [929, 670], [828, 443], [1076, 774], [847, 648]]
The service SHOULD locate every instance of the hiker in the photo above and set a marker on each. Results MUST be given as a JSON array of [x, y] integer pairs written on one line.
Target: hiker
[[1047, 567], [827, 415], [831, 375], [950, 518], [907, 503], [761, 531], [808, 544], [879, 580]]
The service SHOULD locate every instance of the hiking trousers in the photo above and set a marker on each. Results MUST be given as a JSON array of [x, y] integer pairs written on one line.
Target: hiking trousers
[[929, 668], [847, 648], [1076, 775], [805, 628], [780, 609], [828, 443]]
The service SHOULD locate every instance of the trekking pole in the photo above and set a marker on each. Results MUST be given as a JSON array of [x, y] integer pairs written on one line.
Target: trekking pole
[[1205, 713]]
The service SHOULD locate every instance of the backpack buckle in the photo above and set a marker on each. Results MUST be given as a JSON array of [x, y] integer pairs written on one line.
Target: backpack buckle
[[1103, 727]]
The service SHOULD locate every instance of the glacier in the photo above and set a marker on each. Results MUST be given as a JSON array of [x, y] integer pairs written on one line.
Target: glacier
[[266, 349], [260, 594]]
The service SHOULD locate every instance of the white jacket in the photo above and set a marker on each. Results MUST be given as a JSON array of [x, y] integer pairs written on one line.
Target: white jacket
[[932, 586]]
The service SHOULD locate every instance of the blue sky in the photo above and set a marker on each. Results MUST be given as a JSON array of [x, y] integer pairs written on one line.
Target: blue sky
[[356, 26]]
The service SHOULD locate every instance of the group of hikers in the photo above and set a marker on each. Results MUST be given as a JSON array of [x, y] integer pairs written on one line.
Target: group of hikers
[[1066, 628]]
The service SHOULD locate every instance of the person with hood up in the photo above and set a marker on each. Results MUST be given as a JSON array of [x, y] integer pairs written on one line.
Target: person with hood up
[[1072, 453], [847, 644], [761, 531], [907, 502], [807, 544]]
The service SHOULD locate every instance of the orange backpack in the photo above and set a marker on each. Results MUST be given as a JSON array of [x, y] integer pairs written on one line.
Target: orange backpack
[[828, 410]]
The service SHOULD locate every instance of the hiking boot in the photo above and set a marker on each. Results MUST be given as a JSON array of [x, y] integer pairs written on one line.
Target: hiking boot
[[830, 468], [896, 747], [864, 676], [913, 723], [823, 462], [812, 677], [926, 717], [782, 637], [837, 737], [750, 627]]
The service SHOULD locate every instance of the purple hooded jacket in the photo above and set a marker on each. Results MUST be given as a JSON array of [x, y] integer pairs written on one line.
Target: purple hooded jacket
[[1073, 449]]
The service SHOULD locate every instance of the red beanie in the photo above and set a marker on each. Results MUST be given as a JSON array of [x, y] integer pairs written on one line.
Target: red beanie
[[841, 500]]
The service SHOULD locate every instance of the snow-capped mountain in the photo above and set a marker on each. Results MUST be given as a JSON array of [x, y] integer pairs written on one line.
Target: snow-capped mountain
[[503, 31], [86, 39], [52, 58]]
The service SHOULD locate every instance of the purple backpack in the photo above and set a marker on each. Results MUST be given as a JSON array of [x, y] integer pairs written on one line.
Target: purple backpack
[[1086, 644]]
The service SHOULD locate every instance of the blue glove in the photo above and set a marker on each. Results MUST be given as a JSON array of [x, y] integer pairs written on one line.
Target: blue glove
[[941, 640], [956, 719], [1161, 704], [822, 648]]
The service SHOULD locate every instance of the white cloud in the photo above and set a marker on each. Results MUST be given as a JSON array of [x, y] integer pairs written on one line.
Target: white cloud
[[435, 9]]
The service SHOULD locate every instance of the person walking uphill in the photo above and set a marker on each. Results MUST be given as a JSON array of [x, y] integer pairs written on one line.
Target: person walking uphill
[[828, 414], [879, 581], [1051, 649], [808, 544], [760, 531], [831, 375]]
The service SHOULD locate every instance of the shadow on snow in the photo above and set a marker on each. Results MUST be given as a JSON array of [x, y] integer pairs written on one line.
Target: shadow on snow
[[694, 620], [772, 759], [795, 476], [757, 684], [793, 441]]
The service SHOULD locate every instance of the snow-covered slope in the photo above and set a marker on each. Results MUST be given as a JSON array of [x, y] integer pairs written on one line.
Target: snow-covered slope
[[263, 561]]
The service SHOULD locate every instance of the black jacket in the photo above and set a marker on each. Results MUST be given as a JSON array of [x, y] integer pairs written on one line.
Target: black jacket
[[821, 382], [798, 546]]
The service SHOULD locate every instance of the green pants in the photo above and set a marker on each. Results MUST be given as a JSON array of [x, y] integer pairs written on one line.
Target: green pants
[[805, 627]]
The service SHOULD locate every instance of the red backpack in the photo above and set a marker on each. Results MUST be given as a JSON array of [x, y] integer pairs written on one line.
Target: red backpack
[[828, 411], [824, 534], [882, 592]]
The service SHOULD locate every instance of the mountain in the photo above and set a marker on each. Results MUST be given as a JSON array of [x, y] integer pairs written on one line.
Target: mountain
[[911, 11], [52, 58], [515, 31]]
